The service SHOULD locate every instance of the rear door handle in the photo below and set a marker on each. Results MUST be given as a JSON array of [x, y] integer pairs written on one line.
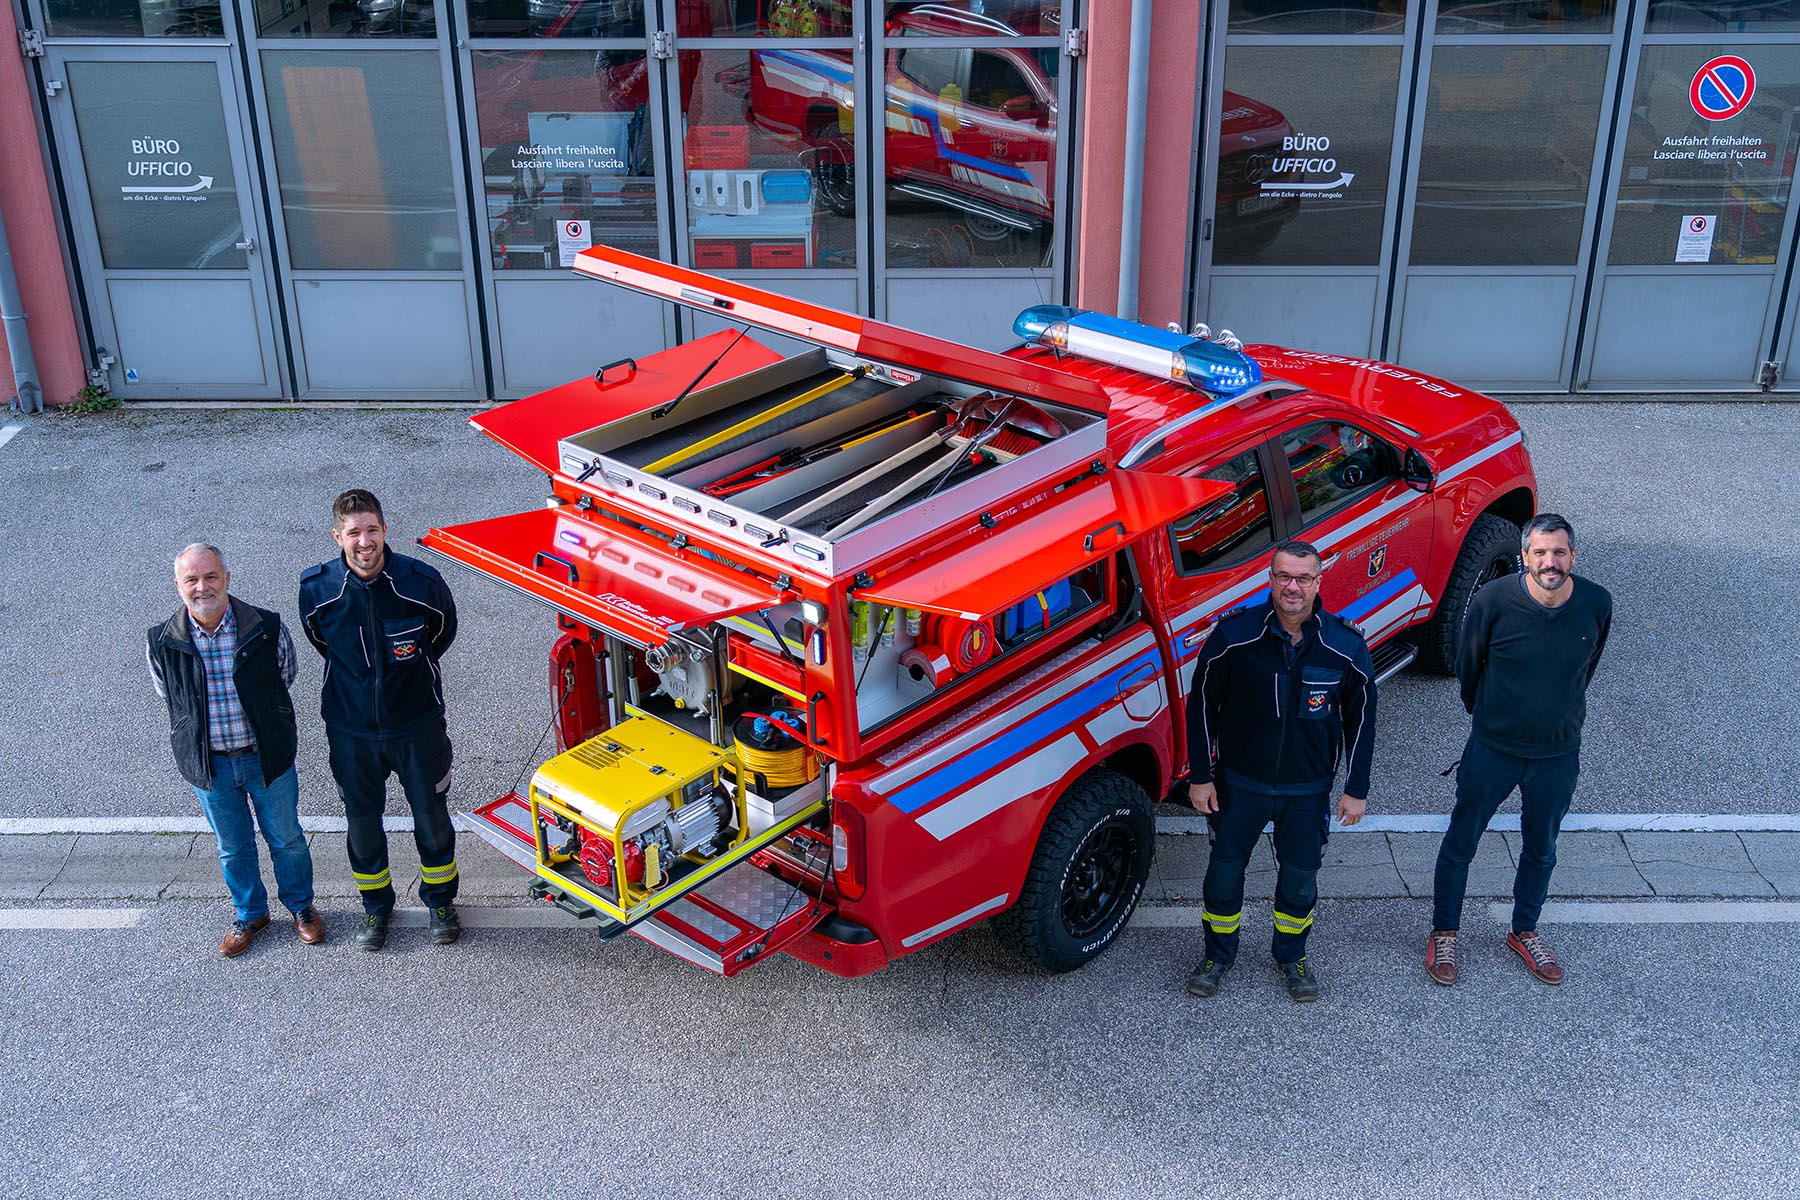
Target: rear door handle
[[1330, 562]]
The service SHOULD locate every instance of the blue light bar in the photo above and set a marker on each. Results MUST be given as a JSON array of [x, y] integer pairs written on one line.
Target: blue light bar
[[1163, 353]]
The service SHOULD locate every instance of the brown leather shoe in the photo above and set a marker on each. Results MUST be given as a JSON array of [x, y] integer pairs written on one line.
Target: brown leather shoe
[[309, 925], [1530, 947], [1440, 956], [242, 934]]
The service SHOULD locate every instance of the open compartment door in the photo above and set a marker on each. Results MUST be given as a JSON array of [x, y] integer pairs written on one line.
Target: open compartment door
[[1052, 541], [601, 575], [533, 427], [732, 301]]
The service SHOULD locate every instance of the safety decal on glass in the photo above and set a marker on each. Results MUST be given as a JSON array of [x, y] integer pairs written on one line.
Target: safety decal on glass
[[1695, 244]]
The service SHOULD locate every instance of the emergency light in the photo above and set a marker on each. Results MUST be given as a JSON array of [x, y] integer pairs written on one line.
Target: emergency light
[[1213, 366]]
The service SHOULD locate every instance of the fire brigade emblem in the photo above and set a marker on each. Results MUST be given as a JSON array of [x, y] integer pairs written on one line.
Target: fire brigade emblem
[[1315, 700], [1377, 560], [404, 649]]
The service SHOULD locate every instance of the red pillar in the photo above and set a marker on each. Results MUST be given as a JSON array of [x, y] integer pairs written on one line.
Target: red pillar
[[1168, 161], [25, 200]]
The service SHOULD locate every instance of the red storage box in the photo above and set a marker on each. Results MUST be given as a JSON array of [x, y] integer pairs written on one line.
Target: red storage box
[[718, 148], [780, 255], [718, 254]]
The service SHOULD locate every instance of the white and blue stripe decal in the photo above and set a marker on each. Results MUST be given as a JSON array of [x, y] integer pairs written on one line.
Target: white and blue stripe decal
[[1058, 718], [1368, 604]]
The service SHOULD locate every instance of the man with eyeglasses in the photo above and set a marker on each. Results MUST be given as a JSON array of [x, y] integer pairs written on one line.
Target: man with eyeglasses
[[1282, 693]]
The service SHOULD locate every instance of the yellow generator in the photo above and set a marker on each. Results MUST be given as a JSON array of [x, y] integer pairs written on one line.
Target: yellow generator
[[635, 817]]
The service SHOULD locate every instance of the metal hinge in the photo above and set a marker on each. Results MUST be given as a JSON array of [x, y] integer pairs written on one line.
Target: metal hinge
[[662, 44], [1074, 42], [31, 43], [1770, 373]]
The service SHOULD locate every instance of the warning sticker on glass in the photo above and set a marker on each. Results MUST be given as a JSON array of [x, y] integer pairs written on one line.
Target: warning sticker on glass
[[572, 237], [1696, 239]]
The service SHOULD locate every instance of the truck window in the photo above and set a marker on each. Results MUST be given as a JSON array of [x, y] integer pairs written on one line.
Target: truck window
[[1229, 528], [932, 69], [1333, 463], [993, 80]]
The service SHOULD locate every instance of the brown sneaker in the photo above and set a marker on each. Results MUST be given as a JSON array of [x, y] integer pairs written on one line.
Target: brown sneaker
[[1440, 956], [242, 934], [309, 925], [1537, 956]]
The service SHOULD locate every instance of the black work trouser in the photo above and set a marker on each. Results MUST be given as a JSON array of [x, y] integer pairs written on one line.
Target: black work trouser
[[1301, 824], [361, 767]]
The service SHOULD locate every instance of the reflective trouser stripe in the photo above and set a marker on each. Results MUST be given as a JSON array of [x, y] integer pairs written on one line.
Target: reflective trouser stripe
[[372, 883], [443, 874], [1222, 923], [1288, 923]]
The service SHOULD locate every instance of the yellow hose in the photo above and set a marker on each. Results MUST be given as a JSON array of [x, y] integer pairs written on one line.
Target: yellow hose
[[782, 768]]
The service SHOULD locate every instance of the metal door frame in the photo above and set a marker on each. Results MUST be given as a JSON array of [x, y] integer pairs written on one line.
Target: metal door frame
[[252, 48], [1053, 280], [1600, 269], [83, 230], [1602, 175], [1217, 40]]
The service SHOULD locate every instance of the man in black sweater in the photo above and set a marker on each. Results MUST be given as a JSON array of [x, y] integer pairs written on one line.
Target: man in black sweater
[[1530, 645]]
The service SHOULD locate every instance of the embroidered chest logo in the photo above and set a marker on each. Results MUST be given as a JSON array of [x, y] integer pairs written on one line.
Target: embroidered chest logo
[[405, 649], [1377, 560], [1315, 700]]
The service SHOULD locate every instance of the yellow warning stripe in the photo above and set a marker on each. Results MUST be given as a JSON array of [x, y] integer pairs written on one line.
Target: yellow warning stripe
[[1222, 923], [443, 874], [373, 883]]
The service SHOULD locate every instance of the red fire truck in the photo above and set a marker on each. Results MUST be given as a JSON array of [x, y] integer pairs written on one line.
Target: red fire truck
[[866, 644]]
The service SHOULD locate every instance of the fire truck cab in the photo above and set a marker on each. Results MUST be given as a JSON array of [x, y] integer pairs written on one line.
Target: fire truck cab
[[863, 645]]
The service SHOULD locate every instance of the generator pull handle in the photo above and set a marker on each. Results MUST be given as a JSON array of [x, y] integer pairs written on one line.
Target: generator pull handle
[[1087, 543], [538, 559], [600, 375]]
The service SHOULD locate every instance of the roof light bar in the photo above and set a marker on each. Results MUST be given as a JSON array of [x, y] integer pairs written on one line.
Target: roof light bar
[[1219, 367]]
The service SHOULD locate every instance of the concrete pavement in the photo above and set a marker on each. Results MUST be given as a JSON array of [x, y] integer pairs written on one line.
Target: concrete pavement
[[1380, 865]]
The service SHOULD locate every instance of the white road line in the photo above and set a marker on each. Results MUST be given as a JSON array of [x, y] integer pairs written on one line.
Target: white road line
[[1661, 912], [1564, 912], [1574, 823], [1180, 823], [70, 918], [8, 433]]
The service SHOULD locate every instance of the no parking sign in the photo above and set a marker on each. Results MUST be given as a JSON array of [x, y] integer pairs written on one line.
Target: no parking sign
[[1722, 88]]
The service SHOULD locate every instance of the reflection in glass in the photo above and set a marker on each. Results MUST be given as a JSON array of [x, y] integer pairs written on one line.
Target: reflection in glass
[[971, 156], [363, 160], [975, 18], [1508, 151], [134, 18], [1723, 16], [1679, 166], [1306, 137], [159, 168], [565, 136], [1539, 16], [767, 160], [1317, 16], [346, 18], [576, 18]]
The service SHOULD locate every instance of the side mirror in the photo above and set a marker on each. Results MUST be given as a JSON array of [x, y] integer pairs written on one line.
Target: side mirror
[[1418, 473]]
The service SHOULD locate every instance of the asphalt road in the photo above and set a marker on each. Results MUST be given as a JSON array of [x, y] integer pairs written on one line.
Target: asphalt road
[[1683, 510], [531, 1063]]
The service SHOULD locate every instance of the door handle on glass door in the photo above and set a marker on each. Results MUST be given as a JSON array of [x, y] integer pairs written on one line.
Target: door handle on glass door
[[247, 244]]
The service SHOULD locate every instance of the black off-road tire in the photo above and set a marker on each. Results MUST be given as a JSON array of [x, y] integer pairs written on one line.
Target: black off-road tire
[[1490, 550], [1086, 876]]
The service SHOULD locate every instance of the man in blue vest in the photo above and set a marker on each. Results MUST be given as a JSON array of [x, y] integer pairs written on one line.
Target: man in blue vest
[[224, 667]]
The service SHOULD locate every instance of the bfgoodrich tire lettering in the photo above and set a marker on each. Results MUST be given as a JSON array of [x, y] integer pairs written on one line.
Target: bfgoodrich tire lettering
[[1086, 875], [1489, 551]]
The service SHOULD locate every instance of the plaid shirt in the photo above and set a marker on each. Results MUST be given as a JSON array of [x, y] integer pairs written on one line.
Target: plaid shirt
[[227, 727]]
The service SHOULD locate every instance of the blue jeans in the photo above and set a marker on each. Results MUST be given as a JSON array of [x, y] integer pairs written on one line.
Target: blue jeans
[[1485, 778], [237, 788]]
